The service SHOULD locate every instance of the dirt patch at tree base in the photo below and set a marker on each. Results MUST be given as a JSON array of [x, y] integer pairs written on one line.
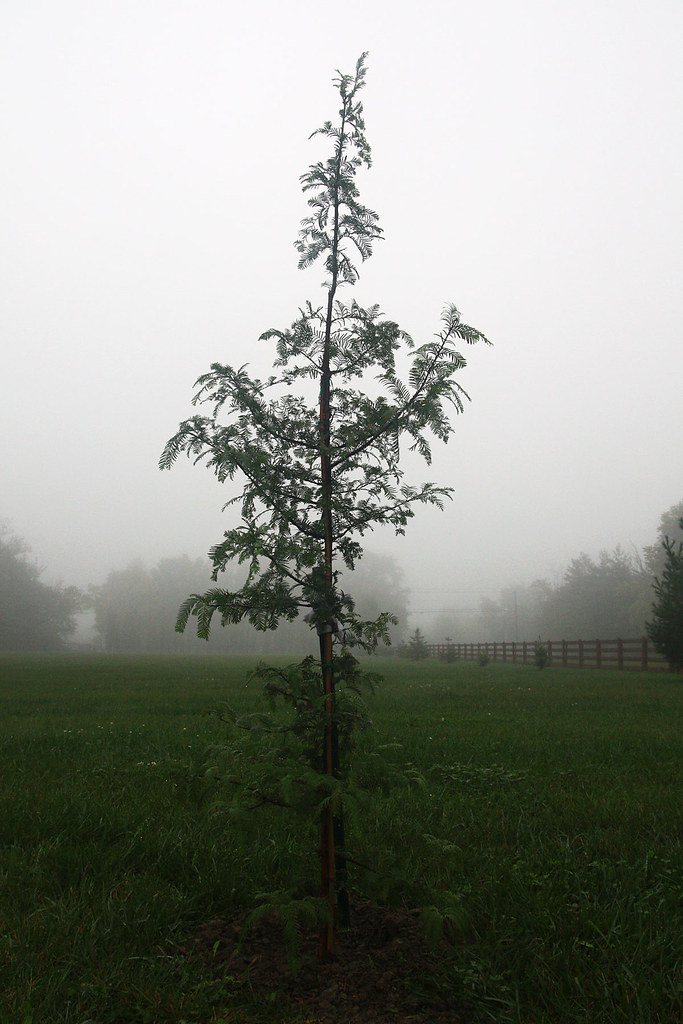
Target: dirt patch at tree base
[[382, 970]]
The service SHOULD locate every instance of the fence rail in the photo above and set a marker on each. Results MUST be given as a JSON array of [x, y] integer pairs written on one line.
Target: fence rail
[[633, 653]]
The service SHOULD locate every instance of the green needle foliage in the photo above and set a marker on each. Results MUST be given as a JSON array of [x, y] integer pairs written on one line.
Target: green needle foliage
[[268, 436], [417, 646], [316, 473], [666, 628], [541, 655]]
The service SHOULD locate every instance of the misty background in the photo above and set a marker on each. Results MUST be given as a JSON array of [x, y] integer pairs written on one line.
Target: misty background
[[526, 166]]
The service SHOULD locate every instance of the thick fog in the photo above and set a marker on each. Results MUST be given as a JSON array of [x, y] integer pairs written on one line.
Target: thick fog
[[526, 166]]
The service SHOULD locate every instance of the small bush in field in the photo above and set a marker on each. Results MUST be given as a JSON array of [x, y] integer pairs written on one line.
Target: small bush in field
[[541, 654], [417, 646]]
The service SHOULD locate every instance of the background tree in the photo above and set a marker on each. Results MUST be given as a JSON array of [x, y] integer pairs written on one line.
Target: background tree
[[33, 616], [666, 628], [602, 598], [121, 604], [416, 648], [654, 555], [136, 607], [315, 476]]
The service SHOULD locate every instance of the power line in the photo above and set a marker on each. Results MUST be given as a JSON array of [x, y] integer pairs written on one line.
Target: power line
[[440, 611]]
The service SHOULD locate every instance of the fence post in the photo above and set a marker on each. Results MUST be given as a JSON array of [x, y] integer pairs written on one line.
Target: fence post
[[620, 653], [564, 654], [598, 654], [643, 654]]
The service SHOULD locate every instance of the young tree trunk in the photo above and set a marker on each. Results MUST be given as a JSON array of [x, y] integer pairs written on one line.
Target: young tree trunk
[[332, 827], [327, 847], [333, 868]]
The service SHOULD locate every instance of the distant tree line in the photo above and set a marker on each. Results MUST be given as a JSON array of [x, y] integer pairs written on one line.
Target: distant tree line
[[136, 609], [607, 597], [603, 597]]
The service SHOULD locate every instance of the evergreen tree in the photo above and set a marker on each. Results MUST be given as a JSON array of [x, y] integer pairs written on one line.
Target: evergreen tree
[[669, 528], [417, 646], [316, 476], [666, 628]]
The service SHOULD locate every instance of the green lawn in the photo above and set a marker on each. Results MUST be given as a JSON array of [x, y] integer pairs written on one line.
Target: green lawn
[[551, 817]]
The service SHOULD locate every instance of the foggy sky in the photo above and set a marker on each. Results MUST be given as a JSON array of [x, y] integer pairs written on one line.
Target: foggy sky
[[526, 166]]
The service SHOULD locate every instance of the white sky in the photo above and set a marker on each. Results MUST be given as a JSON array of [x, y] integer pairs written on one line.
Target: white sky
[[527, 166]]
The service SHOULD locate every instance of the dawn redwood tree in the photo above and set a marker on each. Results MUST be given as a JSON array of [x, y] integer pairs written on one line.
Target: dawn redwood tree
[[666, 628], [315, 474]]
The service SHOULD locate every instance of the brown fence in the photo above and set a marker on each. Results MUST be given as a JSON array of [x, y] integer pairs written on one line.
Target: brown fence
[[638, 653]]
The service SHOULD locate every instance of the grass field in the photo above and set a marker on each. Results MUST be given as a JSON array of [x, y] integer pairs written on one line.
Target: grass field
[[552, 816]]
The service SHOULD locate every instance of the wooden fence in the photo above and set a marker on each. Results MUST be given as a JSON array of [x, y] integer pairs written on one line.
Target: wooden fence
[[638, 653]]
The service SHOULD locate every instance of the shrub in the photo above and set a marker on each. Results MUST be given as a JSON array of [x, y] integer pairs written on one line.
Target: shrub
[[541, 654], [417, 646]]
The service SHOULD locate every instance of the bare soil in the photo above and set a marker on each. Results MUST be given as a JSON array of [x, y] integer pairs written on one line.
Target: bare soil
[[382, 970]]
